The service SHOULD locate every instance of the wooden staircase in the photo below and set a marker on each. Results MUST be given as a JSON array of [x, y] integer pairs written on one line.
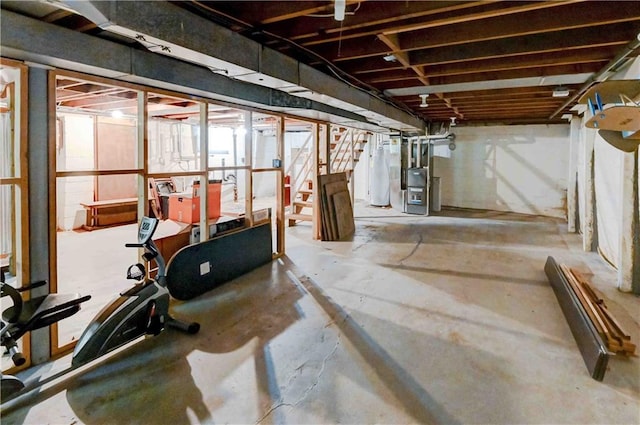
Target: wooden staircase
[[301, 204], [345, 148]]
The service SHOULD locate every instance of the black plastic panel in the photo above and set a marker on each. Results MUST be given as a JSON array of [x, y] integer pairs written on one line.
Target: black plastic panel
[[199, 268], [593, 350]]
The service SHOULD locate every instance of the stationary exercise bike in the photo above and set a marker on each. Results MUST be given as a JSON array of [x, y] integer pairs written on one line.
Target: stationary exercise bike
[[24, 316], [141, 310]]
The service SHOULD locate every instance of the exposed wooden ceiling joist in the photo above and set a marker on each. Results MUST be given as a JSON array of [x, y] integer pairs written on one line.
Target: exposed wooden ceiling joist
[[433, 43]]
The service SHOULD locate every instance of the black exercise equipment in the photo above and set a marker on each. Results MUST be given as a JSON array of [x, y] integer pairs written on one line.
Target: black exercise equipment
[[140, 310], [25, 316]]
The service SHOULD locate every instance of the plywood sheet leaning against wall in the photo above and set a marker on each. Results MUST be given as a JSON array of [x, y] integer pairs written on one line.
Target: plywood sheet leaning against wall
[[336, 209]]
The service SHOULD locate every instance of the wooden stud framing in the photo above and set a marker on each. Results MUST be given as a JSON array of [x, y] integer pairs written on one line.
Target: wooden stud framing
[[142, 171], [280, 245], [143, 153], [327, 148], [248, 159], [204, 173], [53, 216], [20, 184], [316, 227]]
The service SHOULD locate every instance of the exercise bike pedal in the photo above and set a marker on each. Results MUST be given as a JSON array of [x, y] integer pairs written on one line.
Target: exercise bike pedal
[[155, 321]]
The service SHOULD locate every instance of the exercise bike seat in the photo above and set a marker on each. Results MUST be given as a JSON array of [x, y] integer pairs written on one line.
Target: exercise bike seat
[[41, 311]]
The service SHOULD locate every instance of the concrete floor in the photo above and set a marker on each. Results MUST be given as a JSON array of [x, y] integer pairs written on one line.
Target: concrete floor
[[442, 319]]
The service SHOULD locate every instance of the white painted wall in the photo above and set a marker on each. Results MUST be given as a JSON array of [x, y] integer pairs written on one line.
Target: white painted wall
[[507, 168], [75, 151]]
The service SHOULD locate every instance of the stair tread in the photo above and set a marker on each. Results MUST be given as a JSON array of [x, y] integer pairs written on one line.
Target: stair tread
[[301, 217], [308, 204]]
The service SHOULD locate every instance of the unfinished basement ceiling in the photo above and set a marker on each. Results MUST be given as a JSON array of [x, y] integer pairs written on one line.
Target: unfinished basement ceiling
[[479, 61]]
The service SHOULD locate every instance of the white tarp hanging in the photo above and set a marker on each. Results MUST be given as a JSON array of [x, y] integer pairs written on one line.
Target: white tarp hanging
[[608, 198], [380, 178]]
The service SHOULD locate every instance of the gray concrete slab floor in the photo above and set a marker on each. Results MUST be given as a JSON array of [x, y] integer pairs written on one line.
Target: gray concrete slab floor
[[443, 319]]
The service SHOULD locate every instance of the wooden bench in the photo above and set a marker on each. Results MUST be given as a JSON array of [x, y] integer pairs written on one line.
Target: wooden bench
[[110, 212]]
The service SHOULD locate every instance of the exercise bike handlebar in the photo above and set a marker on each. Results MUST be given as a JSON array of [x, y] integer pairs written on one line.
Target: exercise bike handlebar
[[152, 253]]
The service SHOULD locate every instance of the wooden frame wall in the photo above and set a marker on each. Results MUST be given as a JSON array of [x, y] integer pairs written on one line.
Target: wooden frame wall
[[142, 170], [20, 181]]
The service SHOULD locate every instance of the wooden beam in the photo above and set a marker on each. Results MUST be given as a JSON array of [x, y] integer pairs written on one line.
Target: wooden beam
[[617, 34], [373, 22], [466, 19], [565, 16]]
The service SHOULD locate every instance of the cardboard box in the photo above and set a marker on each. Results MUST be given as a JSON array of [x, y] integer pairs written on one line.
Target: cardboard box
[[185, 207]]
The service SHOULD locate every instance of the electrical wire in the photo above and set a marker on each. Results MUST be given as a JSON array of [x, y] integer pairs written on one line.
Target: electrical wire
[[342, 76], [336, 71]]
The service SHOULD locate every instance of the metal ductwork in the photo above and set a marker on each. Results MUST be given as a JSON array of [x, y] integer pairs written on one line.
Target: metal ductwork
[[193, 39]]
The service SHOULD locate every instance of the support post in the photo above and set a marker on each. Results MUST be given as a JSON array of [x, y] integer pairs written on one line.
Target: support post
[[143, 146], [589, 236], [315, 221], [204, 174], [280, 247], [572, 180], [628, 263], [248, 159], [41, 196]]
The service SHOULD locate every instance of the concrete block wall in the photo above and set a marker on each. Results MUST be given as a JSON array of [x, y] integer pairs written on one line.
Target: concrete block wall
[[520, 169]]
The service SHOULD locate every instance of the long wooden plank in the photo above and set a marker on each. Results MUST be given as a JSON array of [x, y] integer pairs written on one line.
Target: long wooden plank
[[600, 303], [593, 350], [613, 340], [595, 319], [624, 346]]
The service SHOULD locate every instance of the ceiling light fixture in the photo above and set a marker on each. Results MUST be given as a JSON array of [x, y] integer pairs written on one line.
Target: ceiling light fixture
[[560, 92], [390, 58], [423, 98], [453, 121], [339, 9]]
